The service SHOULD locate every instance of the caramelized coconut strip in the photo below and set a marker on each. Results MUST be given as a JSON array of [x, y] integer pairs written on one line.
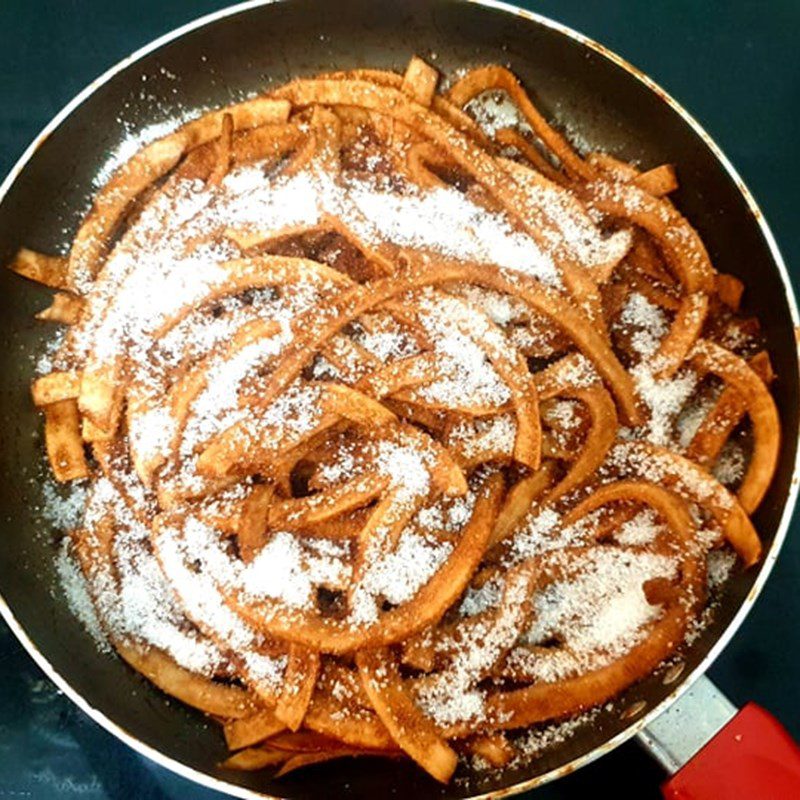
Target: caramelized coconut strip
[[572, 215], [519, 500], [214, 698], [683, 333], [341, 709], [300, 679], [55, 387], [224, 151], [427, 606], [321, 324], [184, 392], [761, 410], [685, 254], [511, 137], [257, 446], [347, 526], [647, 259], [419, 81], [444, 108], [326, 133], [724, 416], [495, 77], [568, 372], [251, 531], [47, 270], [62, 434], [105, 381], [333, 502], [420, 156], [599, 439], [659, 465], [473, 442], [729, 290], [254, 758], [306, 759], [679, 242], [513, 372], [247, 731], [548, 700], [666, 503], [247, 447], [403, 373], [146, 167], [654, 293], [658, 181], [409, 728], [493, 748], [501, 625], [470, 157], [66, 308]]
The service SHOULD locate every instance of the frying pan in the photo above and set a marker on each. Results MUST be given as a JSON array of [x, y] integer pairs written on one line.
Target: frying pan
[[235, 52]]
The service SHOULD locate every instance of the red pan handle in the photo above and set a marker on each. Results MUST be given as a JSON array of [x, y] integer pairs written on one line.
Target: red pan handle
[[751, 757]]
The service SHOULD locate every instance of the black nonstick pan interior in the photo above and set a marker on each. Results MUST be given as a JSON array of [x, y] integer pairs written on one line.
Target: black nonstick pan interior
[[239, 54]]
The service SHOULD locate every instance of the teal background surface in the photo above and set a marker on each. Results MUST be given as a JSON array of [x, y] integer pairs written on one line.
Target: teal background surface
[[735, 65]]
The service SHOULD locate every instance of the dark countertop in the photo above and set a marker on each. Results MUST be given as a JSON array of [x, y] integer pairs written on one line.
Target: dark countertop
[[735, 65]]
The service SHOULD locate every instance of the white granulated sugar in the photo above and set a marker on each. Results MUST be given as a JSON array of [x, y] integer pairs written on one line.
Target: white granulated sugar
[[462, 337], [249, 200], [45, 361], [476, 601], [485, 435], [635, 458], [387, 344], [397, 575], [571, 234], [339, 470], [452, 695], [691, 418], [75, 589], [217, 406], [500, 308], [563, 413], [201, 333], [639, 530], [151, 432], [664, 398], [199, 591], [542, 532], [62, 506], [720, 565], [494, 110], [646, 322], [297, 410], [730, 465], [286, 570], [448, 515], [444, 220], [132, 142], [133, 597], [600, 613], [458, 512], [578, 372], [407, 468]]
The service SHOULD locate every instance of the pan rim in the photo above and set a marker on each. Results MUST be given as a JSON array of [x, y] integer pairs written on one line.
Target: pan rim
[[685, 684]]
